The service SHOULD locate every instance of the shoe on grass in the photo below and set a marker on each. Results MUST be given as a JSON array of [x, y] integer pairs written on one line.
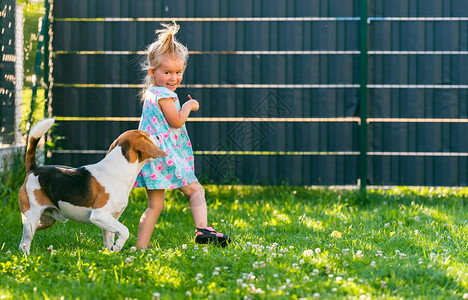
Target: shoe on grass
[[208, 235]]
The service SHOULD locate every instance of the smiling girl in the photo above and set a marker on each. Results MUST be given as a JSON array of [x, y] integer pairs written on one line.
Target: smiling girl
[[163, 117]]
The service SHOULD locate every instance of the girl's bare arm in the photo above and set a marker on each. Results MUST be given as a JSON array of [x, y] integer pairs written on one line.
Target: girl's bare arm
[[177, 118]]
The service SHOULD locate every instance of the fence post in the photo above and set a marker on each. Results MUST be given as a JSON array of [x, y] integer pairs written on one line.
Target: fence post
[[363, 94]]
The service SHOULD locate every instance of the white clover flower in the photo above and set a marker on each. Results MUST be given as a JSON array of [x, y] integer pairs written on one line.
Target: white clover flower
[[433, 255], [199, 282], [386, 224], [359, 254], [133, 249], [301, 262], [400, 223], [416, 218], [402, 256], [215, 273], [129, 260], [156, 296], [465, 296], [345, 264], [192, 257], [184, 246], [315, 272], [316, 295], [350, 279], [255, 265], [239, 282], [318, 250], [50, 248], [345, 251], [195, 247], [305, 278], [188, 293], [339, 279], [416, 232], [373, 264], [308, 253], [334, 290], [379, 253]]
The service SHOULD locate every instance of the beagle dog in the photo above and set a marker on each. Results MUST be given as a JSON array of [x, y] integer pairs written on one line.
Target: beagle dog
[[96, 193]]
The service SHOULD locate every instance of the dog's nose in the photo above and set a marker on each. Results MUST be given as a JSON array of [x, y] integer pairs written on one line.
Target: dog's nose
[[155, 140]]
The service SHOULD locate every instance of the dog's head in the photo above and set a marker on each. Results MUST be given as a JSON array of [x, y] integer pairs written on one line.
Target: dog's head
[[138, 145]]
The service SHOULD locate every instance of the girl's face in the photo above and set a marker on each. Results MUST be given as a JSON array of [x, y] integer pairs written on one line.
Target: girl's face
[[169, 73]]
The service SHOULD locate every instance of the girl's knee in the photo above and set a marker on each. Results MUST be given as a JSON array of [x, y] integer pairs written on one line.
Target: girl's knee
[[194, 188]]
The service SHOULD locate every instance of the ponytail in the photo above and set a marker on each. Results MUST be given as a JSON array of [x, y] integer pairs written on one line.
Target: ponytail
[[165, 44]]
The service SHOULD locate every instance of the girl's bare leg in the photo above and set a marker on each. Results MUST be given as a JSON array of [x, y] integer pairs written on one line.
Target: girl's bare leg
[[149, 217], [196, 193]]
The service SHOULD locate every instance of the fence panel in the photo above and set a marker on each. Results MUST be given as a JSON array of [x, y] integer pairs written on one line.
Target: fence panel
[[7, 72], [418, 85], [275, 106], [279, 85]]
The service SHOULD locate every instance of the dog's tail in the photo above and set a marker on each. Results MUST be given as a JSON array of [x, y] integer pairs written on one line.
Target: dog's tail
[[37, 131]]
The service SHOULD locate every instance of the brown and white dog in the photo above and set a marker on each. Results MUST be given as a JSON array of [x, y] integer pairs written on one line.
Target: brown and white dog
[[95, 193]]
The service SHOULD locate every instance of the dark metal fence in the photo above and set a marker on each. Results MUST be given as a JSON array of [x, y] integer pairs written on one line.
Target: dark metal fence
[[289, 91], [7, 72]]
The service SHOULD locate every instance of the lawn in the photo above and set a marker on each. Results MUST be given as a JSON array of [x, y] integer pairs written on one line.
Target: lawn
[[289, 242]]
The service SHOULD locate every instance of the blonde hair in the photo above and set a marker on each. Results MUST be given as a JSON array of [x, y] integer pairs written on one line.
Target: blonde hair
[[165, 44]]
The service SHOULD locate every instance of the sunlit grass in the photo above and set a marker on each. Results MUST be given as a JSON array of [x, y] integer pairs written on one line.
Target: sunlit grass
[[289, 242]]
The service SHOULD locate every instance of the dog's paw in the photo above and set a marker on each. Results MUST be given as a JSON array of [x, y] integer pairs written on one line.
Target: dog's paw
[[116, 248], [24, 248]]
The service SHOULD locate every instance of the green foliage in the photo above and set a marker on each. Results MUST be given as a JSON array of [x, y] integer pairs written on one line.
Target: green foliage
[[33, 11], [289, 242], [12, 177], [39, 109]]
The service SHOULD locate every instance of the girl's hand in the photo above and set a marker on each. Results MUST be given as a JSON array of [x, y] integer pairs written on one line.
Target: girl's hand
[[194, 105]]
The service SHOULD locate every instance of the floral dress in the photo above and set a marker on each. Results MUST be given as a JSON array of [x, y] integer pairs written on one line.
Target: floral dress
[[175, 170]]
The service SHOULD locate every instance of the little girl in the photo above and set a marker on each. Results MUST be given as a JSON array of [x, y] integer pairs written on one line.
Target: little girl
[[162, 116]]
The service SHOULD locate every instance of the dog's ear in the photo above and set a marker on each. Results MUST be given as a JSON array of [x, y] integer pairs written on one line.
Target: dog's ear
[[147, 149], [111, 147]]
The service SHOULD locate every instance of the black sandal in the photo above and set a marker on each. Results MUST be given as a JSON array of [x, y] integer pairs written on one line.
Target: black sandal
[[211, 236]]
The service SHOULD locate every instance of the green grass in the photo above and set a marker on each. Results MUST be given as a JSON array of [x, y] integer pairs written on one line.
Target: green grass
[[401, 243]]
